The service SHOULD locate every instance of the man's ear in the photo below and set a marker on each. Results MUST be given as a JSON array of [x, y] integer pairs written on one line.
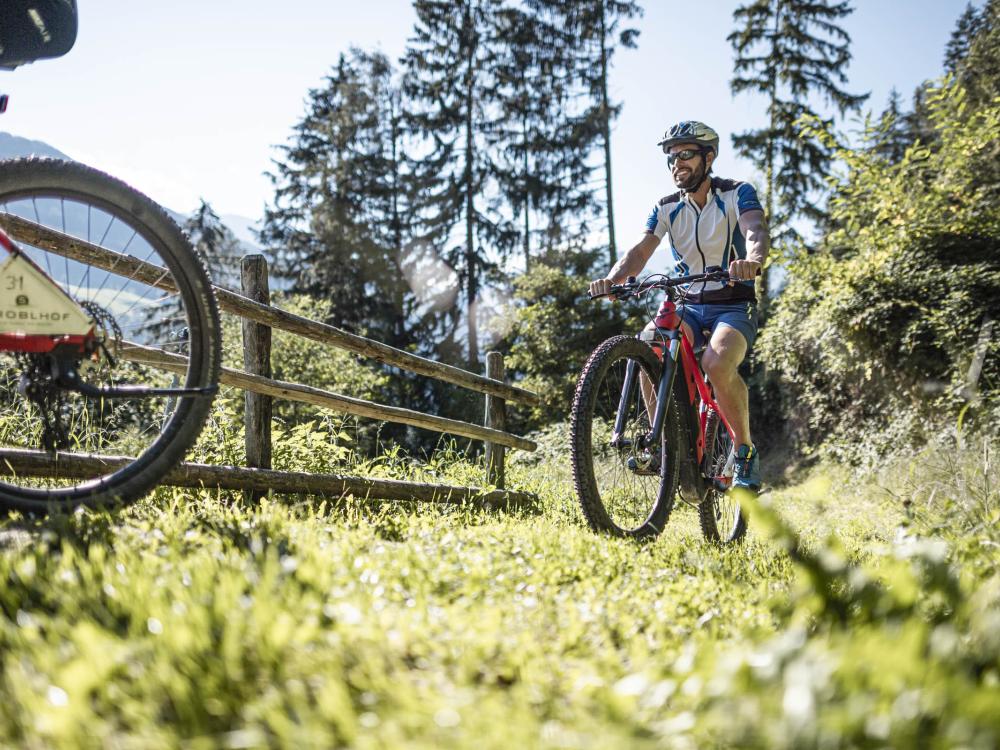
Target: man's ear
[[709, 159]]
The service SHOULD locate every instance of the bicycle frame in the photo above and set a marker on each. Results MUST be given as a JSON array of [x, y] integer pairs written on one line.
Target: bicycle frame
[[36, 315], [673, 347]]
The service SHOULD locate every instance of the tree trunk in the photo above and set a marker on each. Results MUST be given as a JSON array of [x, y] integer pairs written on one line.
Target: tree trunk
[[470, 249], [763, 295], [527, 200], [606, 122], [397, 223]]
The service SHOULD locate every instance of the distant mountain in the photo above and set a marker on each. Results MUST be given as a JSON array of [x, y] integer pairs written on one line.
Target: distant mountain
[[13, 146]]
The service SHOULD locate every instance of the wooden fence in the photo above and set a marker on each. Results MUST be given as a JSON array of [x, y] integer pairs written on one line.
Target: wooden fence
[[259, 318]]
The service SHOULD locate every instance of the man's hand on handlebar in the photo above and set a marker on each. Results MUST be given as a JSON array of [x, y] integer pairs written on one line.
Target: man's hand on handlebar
[[600, 288], [743, 270]]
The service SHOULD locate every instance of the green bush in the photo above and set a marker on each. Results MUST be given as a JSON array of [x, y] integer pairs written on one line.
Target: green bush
[[877, 333]]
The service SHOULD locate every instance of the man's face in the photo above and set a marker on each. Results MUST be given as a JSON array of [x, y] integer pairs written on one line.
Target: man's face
[[688, 173]]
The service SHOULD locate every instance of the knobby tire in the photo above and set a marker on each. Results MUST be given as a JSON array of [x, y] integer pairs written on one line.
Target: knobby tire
[[722, 519], [596, 395]]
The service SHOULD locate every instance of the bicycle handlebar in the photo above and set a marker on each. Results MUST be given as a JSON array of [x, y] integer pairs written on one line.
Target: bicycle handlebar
[[633, 288]]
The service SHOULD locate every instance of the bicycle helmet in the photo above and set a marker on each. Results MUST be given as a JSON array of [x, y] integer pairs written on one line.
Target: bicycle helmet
[[690, 131]]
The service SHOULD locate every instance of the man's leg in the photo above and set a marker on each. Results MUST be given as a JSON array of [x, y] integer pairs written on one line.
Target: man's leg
[[721, 360]]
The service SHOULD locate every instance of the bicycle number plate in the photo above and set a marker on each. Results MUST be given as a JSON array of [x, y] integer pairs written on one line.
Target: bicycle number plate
[[32, 304]]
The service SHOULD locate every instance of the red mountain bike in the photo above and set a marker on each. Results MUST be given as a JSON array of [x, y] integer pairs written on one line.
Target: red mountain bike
[[645, 423]]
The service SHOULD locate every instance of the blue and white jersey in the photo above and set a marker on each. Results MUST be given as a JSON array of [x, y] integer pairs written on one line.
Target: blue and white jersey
[[709, 236]]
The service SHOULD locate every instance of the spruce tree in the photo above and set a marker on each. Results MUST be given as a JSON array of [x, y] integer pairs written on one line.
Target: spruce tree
[[895, 131], [788, 51], [596, 28], [337, 224], [975, 53], [451, 84], [969, 24], [545, 137], [216, 245]]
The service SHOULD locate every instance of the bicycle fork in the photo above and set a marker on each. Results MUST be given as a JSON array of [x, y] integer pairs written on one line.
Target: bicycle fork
[[663, 393]]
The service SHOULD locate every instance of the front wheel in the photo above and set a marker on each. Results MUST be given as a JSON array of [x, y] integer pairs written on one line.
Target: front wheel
[[722, 519], [623, 487]]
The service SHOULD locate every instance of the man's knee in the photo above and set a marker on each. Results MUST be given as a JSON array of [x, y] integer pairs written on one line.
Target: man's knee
[[715, 366], [719, 366]]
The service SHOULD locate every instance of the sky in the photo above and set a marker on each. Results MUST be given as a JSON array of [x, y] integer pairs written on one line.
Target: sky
[[189, 99]]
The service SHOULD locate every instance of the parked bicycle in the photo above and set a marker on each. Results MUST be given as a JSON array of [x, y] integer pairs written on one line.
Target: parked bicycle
[[92, 273], [645, 424]]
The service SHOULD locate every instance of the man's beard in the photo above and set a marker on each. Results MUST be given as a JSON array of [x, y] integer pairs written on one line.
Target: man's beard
[[693, 180]]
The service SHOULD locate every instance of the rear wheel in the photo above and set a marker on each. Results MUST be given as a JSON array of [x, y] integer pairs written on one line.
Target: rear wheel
[[131, 270], [721, 517], [625, 489]]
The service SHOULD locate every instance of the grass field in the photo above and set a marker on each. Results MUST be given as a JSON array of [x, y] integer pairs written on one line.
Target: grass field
[[191, 621]]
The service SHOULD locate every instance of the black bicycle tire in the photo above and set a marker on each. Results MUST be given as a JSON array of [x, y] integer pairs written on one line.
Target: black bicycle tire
[[585, 483], [22, 177], [706, 508]]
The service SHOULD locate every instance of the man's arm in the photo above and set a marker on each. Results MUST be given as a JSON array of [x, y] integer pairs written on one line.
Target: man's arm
[[630, 264], [754, 228]]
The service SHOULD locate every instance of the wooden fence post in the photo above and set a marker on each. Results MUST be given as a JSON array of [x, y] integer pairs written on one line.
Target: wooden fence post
[[496, 418], [257, 360]]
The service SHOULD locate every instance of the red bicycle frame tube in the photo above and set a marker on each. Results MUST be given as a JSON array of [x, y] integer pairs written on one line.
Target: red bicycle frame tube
[[694, 380], [7, 243]]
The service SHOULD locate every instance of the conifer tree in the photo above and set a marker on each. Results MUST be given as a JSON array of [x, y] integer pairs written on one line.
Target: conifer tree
[[788, 50], [974, 52], [969, 24], [216, 245], [337, 225], [895, 130], [595, 25], [451, 84], [545, 137]]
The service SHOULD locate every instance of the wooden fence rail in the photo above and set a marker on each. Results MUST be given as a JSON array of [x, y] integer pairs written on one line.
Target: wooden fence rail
[[327, 399], [259, 317], [229, 301], [30, 463]]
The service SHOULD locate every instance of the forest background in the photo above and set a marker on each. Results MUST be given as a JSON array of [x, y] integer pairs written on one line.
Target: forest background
[[460, 198]]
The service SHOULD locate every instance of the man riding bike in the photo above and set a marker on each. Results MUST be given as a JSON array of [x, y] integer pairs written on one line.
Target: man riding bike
[[709, 222]]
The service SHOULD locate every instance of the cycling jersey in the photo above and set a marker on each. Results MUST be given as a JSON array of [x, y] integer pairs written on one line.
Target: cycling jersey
[[709, 236]]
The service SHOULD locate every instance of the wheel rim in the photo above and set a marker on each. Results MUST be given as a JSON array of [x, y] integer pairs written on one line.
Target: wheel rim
[[629, 496], [144, 314]]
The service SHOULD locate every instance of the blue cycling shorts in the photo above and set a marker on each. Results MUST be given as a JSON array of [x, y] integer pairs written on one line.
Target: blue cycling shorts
[[704, 319]]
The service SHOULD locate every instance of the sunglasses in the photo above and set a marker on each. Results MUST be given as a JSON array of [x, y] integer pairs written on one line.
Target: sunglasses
[[685, 155]]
